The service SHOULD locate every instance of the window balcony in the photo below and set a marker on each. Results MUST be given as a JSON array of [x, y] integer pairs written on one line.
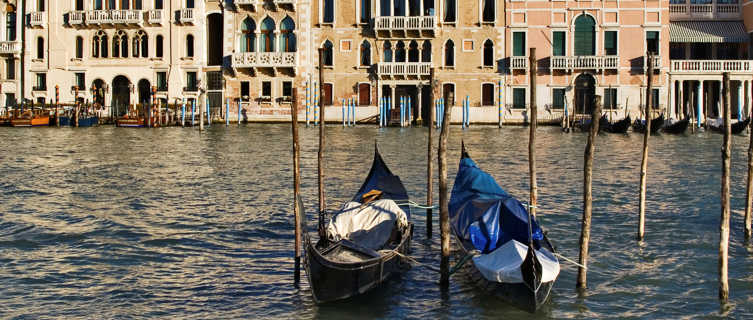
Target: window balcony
[[657, 62], [10, 47], [37, 19], [404, 69], [518, 63], [155, 16], [711, 66], [39, 88], [185, 16], [404, 25], [264, 60], [76, 18], [585, 62], [98, 17], [690, 11]]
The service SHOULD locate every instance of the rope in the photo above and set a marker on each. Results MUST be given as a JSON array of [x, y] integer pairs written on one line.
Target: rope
[[454, 269], [465, 259], [416, 205], [414, 261], [571, 261]]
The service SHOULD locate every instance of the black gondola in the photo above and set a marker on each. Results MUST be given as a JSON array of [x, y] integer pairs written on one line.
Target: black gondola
[[342, 268], [678, 127], [737, 127], [512, 257], [621, 126], [656, 125]]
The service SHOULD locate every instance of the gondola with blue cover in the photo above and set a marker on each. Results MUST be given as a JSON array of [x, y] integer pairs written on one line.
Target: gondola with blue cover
[[512, 257]]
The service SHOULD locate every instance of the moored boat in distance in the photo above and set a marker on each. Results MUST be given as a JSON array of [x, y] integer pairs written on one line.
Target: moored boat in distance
[[365, 243], [621, 126], [678, 127], [656, 125], [512, 257], [736, 128], [30, 118]]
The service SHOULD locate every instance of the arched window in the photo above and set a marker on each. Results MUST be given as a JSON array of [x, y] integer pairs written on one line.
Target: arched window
[[116, 46], [488, 53], [247, 35], [400, 52], [140, 45], [365, 54], [413, 55], [267, 39], [387, 52], [585, 36], [328, 11], [327, 54], [189, 46], [426, 52], [449, 54], [287, 28], [103, 49], [40, 48], [158, 47], [144, 45], [124, 46], [120, 45], [79, 47]]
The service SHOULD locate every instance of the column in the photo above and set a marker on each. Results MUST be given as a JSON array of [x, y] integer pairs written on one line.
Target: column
[[681, 103], [699, 105], [671, 103], [392, 94], [419, 107], [740, 100], [720, 101]]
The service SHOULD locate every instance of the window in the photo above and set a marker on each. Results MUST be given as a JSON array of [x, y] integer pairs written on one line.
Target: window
[[519, 44], [80, 5], [125, 4], [192, 83], [610, 98], [365, 11], [328, 11], [327, 94], [488, 53], [426, 51], [80, 80], [448, 90], [558, 98], [120, 45], [449, 54], [137, 5], [98, 5], [40, 48], [189, 4], [652, 42], [247, 35], [488, 11], [41, 84], [267, 39], [111, 4], [10, 100], [364, 94], [10, 68], [99, 45], [655, 99], [287, 89], [40, 5], [610, 43], [189, 46], [79, 48], [365, 54], [159, 49], [287, 28], [266, 89], [413, 54], [519, 98], [487, 94], [245, 90], [449, 11], [559, 43], [400, 52], [161, 81], [387, 52], [327, 54], [140, 45], [10, 26], [585, 36], [158, 5]]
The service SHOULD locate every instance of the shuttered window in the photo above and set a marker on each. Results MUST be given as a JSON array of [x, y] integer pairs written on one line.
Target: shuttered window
[[610, 98], [654, 99], [585, 36], [558, 43], [487, 94], [519, 98], [558, 98], [652, 41], [519, 44], [610, 43]]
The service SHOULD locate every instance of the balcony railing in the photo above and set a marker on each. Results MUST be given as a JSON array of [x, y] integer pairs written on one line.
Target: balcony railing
[[279, 2], [76, 17], [193, 88], [37, 19], [419, 23], [657, 62], [155, 16], [113, 17], [11, 47], [247, 2], [264, 59], [704, 11], [517, 63], [185, 16], [585, 62], [712, 66], [404, 69]]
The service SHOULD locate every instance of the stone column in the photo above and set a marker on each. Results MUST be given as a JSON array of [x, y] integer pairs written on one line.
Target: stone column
[[392, 94], [700, 96], [672, 101], [419, 105], [740, 97]]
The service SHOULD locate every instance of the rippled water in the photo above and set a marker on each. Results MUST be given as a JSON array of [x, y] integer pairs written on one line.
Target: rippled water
[[109, 222]]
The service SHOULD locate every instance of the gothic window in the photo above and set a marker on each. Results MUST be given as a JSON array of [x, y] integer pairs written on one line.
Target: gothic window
[[287, 32], [267, 35], [247, 35], [449, 54], [327, 58], [365, 54]]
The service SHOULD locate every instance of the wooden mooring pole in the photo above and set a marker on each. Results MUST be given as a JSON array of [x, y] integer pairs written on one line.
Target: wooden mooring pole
[[749, 194], [320, 159], [724, 225], [429, 163], [644, 160], [585, 232], [444, 201], [532, 134], [296, 183]]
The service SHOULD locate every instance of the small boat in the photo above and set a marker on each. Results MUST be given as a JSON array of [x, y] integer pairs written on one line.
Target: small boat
[[512, 257], [621, 126], [678, 127], [130, 122], [30, 118], [656, 125], [737, 127], [364, 243], [88, 121]]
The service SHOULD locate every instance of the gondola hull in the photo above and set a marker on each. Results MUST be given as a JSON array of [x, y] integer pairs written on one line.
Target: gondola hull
[[656, 125], [621, 126], [678, 127], [736, 128]]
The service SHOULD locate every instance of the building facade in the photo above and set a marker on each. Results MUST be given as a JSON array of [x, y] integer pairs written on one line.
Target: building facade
[[11, 76]]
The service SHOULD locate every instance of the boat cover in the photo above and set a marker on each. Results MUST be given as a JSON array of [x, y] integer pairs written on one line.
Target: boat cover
[[484, 214], [503, 264], [369, 226]]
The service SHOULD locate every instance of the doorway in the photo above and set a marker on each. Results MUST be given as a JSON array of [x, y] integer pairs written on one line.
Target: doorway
[[121, 95], [585, 89], [214, 39]]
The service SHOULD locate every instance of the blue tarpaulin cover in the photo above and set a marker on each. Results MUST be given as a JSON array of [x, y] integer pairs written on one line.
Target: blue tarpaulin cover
[[484, 214]]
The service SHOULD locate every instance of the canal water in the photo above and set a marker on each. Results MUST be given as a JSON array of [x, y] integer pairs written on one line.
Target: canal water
[[110, 222]]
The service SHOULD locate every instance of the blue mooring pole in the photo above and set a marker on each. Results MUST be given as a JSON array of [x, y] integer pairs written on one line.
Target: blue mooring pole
[[227, 112], [183, 113], [410, 111], [209, 117], [193, 112], [353, 112], [239, 112], [343, 111]]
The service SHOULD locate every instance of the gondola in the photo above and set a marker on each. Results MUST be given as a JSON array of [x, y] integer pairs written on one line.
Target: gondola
[[656, 125], [365, 242], [621, 126], [737, 127], [678, 127], [512, 258]]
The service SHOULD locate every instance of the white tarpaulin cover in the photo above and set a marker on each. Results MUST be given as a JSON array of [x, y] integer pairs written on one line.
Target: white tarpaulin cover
[[370, 226], [503, 264]]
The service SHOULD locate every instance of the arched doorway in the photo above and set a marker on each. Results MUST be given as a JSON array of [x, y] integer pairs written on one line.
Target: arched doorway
[[121, 95], [145, 92], [585, 36], [98, 97], [585, 88], [214, 39]]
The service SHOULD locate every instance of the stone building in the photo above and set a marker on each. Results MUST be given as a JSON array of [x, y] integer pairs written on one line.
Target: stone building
[[11, 78]]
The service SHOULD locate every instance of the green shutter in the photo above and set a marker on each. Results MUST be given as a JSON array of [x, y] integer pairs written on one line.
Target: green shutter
[[652, 35], [519, 98], [558, 98], [519, 44], [585, 36], [558, 43], [610, 43]]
